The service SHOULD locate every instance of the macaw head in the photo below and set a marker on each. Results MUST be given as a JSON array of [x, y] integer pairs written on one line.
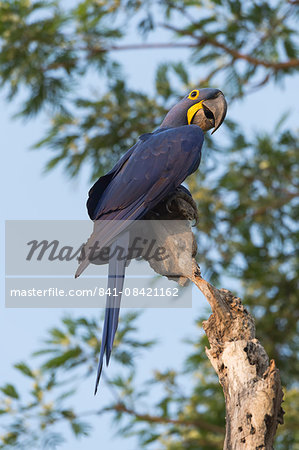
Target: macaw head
[[203, 107]]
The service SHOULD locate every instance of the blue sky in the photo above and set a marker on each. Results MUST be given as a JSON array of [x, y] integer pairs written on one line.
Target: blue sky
[[28, 193]]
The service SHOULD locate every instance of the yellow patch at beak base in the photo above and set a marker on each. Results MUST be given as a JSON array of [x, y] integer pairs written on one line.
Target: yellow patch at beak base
[[193, 110]]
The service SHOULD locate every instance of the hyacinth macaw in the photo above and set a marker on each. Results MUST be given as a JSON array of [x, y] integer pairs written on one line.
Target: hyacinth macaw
[[148, 172]]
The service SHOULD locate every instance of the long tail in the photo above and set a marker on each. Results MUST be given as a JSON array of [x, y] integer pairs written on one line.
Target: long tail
[[115, 285]]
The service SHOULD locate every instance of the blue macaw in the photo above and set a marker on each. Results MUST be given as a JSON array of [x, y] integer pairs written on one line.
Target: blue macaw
[[148, 172]]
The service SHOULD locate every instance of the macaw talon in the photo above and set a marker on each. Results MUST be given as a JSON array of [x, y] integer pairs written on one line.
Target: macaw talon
[[176, 204]]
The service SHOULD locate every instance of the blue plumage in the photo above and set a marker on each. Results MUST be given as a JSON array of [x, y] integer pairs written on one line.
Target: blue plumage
[[116, 279], [156, 166]]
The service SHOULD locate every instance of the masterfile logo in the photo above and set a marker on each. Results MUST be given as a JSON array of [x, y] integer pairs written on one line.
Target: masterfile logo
[[42, 258]]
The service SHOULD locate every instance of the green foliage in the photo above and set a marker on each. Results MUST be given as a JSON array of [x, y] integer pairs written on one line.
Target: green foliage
[[48, 51], [246, 193], [22, 367], [101, 129], [10, 391], [32, 420]]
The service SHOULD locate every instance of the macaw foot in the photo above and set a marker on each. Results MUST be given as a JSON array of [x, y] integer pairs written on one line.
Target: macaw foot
[[181, 204], [178, 205], [171, 225]]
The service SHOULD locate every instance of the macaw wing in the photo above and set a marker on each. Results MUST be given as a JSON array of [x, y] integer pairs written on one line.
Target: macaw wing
[[101, 184], [97, 190]]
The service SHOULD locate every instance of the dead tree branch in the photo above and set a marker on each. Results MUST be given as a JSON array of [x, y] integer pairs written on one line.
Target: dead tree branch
[[198, 42], [200, 423], [251, 384], [236, 54]]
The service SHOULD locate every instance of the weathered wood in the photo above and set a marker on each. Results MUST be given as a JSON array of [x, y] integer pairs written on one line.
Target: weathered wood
[[251, 384]]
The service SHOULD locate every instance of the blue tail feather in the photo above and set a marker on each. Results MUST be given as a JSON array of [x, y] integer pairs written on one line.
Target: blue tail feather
[[115, 285]]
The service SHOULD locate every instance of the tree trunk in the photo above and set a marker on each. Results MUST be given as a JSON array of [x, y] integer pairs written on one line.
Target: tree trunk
[[251, 384]]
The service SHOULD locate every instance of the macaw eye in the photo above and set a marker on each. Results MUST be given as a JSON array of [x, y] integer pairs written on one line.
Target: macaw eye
[[193, 94]]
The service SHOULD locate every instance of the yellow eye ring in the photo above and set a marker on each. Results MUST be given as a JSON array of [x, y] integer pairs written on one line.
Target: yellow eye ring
[[193, 94]]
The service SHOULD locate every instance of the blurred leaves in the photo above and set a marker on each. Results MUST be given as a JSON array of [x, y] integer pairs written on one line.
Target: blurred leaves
[[24, 369], [48, 51], [101, 129], [9, 390], [61, 60], [55, 381]]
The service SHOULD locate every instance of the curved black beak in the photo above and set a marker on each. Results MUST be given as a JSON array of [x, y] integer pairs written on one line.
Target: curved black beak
[[215, 108]]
